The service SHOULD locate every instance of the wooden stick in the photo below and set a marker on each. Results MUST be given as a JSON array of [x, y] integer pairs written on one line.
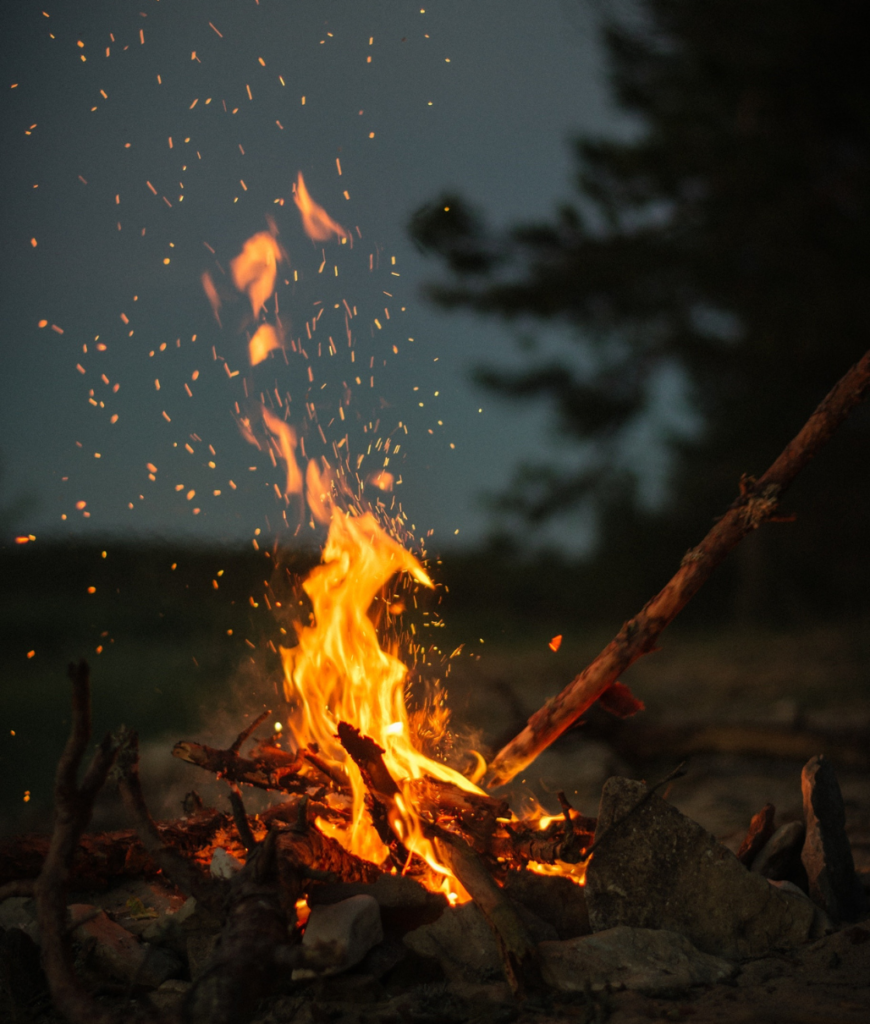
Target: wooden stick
[[74, 804], [184, 873], [267, 768], [103, 859], [757, 502], [517, 951]]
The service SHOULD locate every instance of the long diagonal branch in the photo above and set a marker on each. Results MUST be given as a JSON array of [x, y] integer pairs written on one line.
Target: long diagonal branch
[[758, 501]]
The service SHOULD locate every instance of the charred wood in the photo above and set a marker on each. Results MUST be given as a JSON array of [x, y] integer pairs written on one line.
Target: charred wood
[[180, 869], [270, 768], [101, 859]]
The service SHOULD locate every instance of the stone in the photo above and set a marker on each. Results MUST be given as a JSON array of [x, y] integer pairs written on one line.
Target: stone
[[352, 927], [404, 903], [118, 952], [169, 997], [554, 899], [780, 855], [22, 983], [463, 944], [826, 854], [655, 868], [761, 828], [200, 946], [224, 865], [20, 912], [641, 959], [167, 930]]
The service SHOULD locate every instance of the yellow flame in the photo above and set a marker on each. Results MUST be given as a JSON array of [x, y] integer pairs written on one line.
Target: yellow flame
[[339, 672], [318, 225]]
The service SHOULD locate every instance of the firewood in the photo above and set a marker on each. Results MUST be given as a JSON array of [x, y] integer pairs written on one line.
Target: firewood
[[757, 503], [256, 948], [102, 859], [181, 870], [477, 815], [518, 844], [382, 788], [74, 803], [321, 858], [517, 950], [270, 768]]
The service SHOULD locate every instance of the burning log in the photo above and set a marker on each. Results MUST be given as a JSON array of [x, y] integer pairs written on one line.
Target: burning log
[[519, 955], [304, 849], [518, 843], [475, 814], [757, 503], [268, 767], [516, 948]]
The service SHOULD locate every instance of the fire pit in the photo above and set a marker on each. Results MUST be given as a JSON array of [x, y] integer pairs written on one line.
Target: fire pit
[[391, 881]]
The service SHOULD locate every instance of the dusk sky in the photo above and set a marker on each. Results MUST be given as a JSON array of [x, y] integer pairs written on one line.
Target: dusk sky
[[108, 228]]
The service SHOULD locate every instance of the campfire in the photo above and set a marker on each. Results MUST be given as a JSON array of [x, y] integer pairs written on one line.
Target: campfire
[[378, 850]]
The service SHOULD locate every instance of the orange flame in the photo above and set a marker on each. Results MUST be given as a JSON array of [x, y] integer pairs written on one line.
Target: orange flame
[[255, 268], [264, 341], [285, 443], [339, 672], [317, 490], [318, 225]]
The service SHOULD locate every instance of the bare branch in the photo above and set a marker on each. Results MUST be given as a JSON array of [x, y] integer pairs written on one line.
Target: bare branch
[[757, 502]]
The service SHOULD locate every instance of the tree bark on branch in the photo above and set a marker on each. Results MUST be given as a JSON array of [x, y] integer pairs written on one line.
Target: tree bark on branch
[[757, 502]]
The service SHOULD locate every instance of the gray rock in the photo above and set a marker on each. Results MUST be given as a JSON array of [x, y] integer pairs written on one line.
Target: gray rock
[[462, 942], [641, 959], [558, 901], [352, 927], [777, 857], [403, 901], [659, 869], [118, 952], [464, 945], [827, 855], [170, 996], [167, 930], [224, 865], [200, 946], [822, 924], [20, 912]]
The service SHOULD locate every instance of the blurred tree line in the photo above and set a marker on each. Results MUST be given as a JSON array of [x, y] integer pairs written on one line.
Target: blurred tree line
[[717, 258]]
